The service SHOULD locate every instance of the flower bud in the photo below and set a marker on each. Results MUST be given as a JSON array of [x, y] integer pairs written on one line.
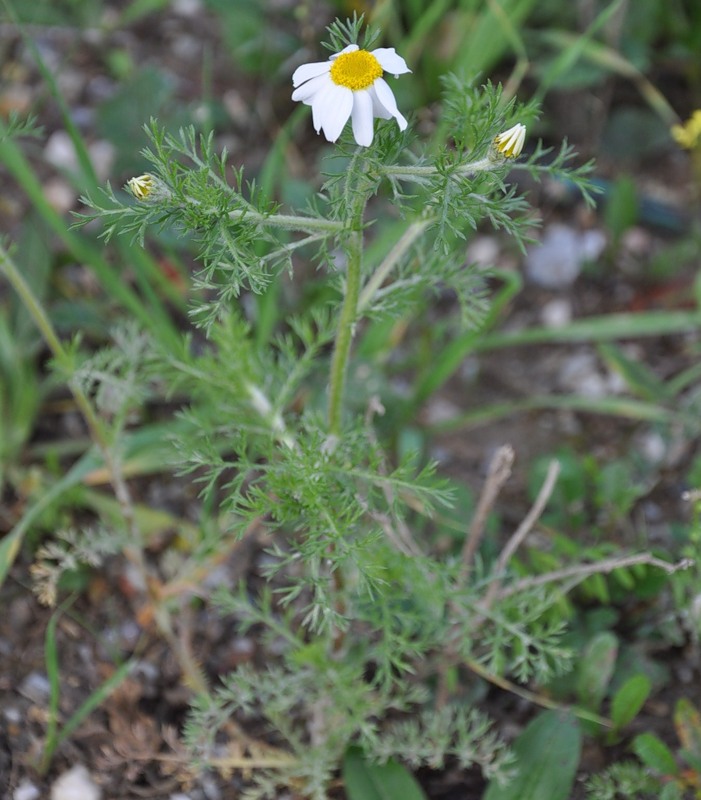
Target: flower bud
[[510, 143]]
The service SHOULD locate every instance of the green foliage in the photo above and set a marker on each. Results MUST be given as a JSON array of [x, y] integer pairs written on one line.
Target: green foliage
[[660, 774], [629, 699], [596, 668], [365, 781], [655, 754], [55, 733], [625, 780], [347, 575], [547, 754]]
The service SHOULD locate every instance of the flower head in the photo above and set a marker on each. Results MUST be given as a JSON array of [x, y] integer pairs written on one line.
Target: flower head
[[688, 135], [350, 84], [142, 186], [510, 143]]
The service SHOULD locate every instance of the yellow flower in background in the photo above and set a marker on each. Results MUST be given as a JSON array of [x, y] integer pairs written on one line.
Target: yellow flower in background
[[142, 186], [688, 135], [510, 143], [350, 85]]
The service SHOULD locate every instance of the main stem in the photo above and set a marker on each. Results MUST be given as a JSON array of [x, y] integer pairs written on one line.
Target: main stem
[[349, 313]]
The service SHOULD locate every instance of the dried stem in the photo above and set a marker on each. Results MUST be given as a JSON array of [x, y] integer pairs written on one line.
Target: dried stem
[[533, 697], [523, 530], [499, 472], [580, 572]]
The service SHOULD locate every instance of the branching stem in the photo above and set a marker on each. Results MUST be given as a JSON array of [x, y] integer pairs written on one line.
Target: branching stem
[[410, 235], [421, 172]]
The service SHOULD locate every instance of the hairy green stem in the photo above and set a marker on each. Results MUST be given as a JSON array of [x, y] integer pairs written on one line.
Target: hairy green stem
[[296, 222], [419, 172], [285, 222], [346, 328]]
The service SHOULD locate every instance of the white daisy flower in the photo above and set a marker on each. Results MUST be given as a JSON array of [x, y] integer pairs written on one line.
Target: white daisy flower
[[350, 84], [510, 143]]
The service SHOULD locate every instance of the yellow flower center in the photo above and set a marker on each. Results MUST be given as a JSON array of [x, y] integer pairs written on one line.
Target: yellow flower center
[[356, 70]]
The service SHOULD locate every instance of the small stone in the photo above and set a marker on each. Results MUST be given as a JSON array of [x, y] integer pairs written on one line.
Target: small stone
[[186, 8], [236, 107], [637, 241], [652, 447], [35, 687], [60, 152], [440, 410], [483, 251], [102, 154], [12, 714], [557, 313], [241, 651], [26, 790], [580, 374], [76, 784], [556, 262], [60, 195]]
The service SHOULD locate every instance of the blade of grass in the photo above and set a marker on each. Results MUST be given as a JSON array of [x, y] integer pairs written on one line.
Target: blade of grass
[[603, 56], [11, 543], [639, 378], [54, 737], [488, 36], [625, 407], [15, 162], [147, 269], [576, 47], [597, 329], [455, 352], [53, 673]]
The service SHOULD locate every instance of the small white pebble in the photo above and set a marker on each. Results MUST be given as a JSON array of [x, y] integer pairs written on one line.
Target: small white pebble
[[26, 791], [60, 152], [187, 8], [12, 715], [652, 447], [556, 262], [556, 313], [102, 154], [76, 784], [483, 251], [35, 687], [60, 195]]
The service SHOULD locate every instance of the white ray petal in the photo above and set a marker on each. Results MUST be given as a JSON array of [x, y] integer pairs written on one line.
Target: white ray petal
[[362, 118], [378, 110], [386, 99], [308, 71], [306, 92], [350, 49], [335, 110], [390, 61]]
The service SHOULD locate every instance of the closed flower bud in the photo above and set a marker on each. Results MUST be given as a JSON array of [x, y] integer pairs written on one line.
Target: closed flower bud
[[510, 143], [142, 186]]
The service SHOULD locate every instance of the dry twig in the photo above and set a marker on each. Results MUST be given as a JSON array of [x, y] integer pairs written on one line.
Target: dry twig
[[499, 472]]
